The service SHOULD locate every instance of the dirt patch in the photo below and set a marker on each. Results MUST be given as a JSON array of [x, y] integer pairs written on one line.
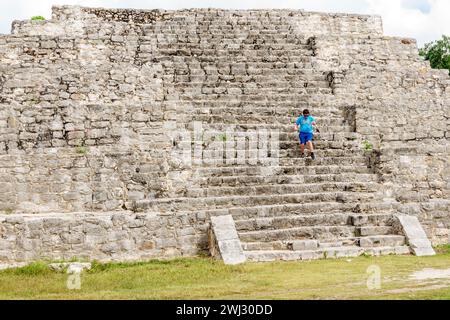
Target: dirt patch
[[429, 274], [406, 290]]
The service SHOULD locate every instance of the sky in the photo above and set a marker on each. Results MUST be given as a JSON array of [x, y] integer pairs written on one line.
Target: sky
[[424, 20]]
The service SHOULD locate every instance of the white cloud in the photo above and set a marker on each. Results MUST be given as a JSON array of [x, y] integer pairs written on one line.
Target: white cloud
[[425, 20], [412, 21]]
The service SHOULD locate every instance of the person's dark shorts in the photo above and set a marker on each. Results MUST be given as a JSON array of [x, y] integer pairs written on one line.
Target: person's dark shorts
[[305, 137]]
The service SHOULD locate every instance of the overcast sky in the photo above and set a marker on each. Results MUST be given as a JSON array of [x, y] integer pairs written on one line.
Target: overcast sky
[[424, 20]]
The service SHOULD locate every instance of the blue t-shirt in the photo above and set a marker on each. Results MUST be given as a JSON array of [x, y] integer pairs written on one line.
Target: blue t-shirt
[[305, 124]]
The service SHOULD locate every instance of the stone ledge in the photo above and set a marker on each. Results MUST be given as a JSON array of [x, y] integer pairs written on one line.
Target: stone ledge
[[106, 236]]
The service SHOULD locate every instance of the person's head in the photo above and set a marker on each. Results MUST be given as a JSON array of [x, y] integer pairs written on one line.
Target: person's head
[[306, 113]]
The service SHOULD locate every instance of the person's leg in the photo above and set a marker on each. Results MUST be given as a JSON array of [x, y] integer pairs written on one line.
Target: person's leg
[[302, 144], [311, 147]]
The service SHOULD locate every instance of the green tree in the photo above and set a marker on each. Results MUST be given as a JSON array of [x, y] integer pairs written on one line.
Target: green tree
[[438, 53]]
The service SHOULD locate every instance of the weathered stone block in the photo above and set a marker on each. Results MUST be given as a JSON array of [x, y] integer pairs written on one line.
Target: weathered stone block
[[305, 245]]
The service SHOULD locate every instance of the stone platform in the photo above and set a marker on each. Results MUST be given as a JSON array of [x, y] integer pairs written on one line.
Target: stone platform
[[122, 132]]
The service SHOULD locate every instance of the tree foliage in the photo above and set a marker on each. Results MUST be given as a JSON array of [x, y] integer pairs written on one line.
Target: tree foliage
[[438, 53]]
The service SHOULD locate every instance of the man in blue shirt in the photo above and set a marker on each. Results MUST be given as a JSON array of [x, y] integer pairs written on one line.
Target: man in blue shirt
[[305, 125]]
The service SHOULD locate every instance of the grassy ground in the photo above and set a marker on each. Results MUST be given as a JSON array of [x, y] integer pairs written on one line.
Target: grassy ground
[[203, 278]]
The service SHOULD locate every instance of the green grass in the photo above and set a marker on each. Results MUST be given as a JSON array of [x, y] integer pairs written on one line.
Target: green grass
[[204, 278]]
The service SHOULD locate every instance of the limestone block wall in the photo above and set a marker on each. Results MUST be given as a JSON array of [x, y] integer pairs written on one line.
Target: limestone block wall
[[82, 124], [105, 236], [402, 106]]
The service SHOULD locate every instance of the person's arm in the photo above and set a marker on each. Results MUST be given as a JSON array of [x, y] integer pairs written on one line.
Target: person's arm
[[315, 126]]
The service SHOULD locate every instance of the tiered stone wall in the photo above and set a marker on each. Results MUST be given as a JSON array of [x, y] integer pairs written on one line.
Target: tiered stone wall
[[89, 118], [82, 122], [90, 112], [73, 20], [402, 107]]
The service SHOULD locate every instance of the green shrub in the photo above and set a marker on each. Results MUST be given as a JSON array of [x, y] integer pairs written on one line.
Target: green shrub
[[367, 145], [222, 137], [81, 150], [34, 18]]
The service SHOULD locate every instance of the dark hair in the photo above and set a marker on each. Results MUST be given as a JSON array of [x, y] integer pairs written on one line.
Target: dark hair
[[306, 111]]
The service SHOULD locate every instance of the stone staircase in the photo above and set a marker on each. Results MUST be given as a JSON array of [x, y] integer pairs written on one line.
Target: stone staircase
[[299, 209]]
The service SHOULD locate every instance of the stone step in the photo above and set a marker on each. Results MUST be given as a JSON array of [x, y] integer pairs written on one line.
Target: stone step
[[185, 33], [244, 45], [215, 80], [328, 253], [361, 220], [382, 241], [260, 116], [313, 93], [382, 223], [218, 161], [175, 32], [287, 134], [323, 161], [239, 141], [234, 181], [335, 137], [367, 231], [279, 170], [210, 160], [321, 233], [386, 251], [242, 66], [194, 93], [245, 70], [284, 222], [317, 108], [214, 68], [220, 35], [213, 75], [189, 204], [363, 242], [325, 144], [283, 128], [230, 51], [269, 84], [272, 189], [237, 119], [235, 26], [309, 208], [291, 110], [231, 153], [232, 140], [211, 37], [322, 149]]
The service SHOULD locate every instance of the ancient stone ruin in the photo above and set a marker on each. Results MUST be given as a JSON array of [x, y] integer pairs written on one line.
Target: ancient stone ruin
[[125, 132]]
